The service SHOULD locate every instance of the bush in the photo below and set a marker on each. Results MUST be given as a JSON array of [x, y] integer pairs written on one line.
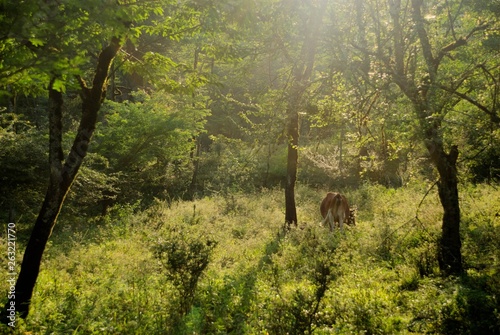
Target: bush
[[184, 259], [298, 274]]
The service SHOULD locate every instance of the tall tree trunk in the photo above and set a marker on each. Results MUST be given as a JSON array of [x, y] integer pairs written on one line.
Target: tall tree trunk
[[449, 247], [61, 175], [301, 74], [196, 150]]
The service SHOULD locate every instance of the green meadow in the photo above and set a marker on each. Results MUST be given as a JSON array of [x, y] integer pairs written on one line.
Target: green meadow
[[226, 265]]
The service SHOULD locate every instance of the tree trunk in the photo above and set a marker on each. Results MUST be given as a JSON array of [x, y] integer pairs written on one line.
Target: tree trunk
[[449, 247], [61, 175], [50, 209], [195, 158], [291, 167]]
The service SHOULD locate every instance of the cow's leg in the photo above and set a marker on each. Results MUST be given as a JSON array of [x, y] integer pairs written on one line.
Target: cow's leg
[[331, 221], [323, 222]]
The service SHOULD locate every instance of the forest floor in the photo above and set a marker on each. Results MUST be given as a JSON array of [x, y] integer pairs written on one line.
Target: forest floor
[[224, 265]]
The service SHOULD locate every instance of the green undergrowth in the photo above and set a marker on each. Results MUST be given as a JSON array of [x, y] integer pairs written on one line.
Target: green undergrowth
[[226, 265]]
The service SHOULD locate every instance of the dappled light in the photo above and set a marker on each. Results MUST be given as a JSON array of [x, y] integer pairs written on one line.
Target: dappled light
[[249, 167]]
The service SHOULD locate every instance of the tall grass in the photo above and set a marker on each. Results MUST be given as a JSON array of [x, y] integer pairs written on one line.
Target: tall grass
[[224, 265]]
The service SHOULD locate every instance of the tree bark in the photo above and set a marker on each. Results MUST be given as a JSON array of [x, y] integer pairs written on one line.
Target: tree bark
[[61, 175]]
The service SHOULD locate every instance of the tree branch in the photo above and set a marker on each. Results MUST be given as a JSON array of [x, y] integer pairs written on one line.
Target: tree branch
[[494, 116], [90, 107], [459, 42], [56, 155], [424, 38], [85, 90]]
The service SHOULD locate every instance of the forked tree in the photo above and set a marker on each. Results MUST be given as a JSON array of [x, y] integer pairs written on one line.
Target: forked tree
[[55, 43], [417, 46], [63, 171]]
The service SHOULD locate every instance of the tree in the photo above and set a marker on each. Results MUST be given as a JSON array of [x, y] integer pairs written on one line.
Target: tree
[[57, 43], [420, 52], [302, 70], [147, 143], [63, 171]]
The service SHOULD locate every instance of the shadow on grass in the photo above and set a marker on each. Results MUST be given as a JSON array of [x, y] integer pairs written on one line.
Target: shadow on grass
[[476, 308], [220, 310], [230, 307]]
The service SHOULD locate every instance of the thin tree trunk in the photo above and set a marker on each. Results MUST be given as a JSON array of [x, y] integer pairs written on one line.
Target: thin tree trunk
[[291, 167], [341, 148], [61, 175], [196, 150], [195, 158]]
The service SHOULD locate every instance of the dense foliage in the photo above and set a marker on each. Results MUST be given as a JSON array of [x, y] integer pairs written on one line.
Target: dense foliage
[[226, 66], [176, 201]]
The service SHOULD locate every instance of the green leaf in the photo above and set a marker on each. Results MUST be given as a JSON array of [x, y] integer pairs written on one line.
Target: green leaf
[[59, 85], [36, 42]]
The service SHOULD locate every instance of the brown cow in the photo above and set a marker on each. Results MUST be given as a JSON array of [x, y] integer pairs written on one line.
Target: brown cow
[[335, 208]]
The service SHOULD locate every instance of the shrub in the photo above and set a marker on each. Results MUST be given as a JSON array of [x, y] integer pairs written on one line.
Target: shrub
[[474, 309], [184, 259], [298, 274]]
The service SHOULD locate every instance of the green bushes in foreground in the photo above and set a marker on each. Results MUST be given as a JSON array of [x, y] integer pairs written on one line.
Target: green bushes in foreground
[[225, 266]]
